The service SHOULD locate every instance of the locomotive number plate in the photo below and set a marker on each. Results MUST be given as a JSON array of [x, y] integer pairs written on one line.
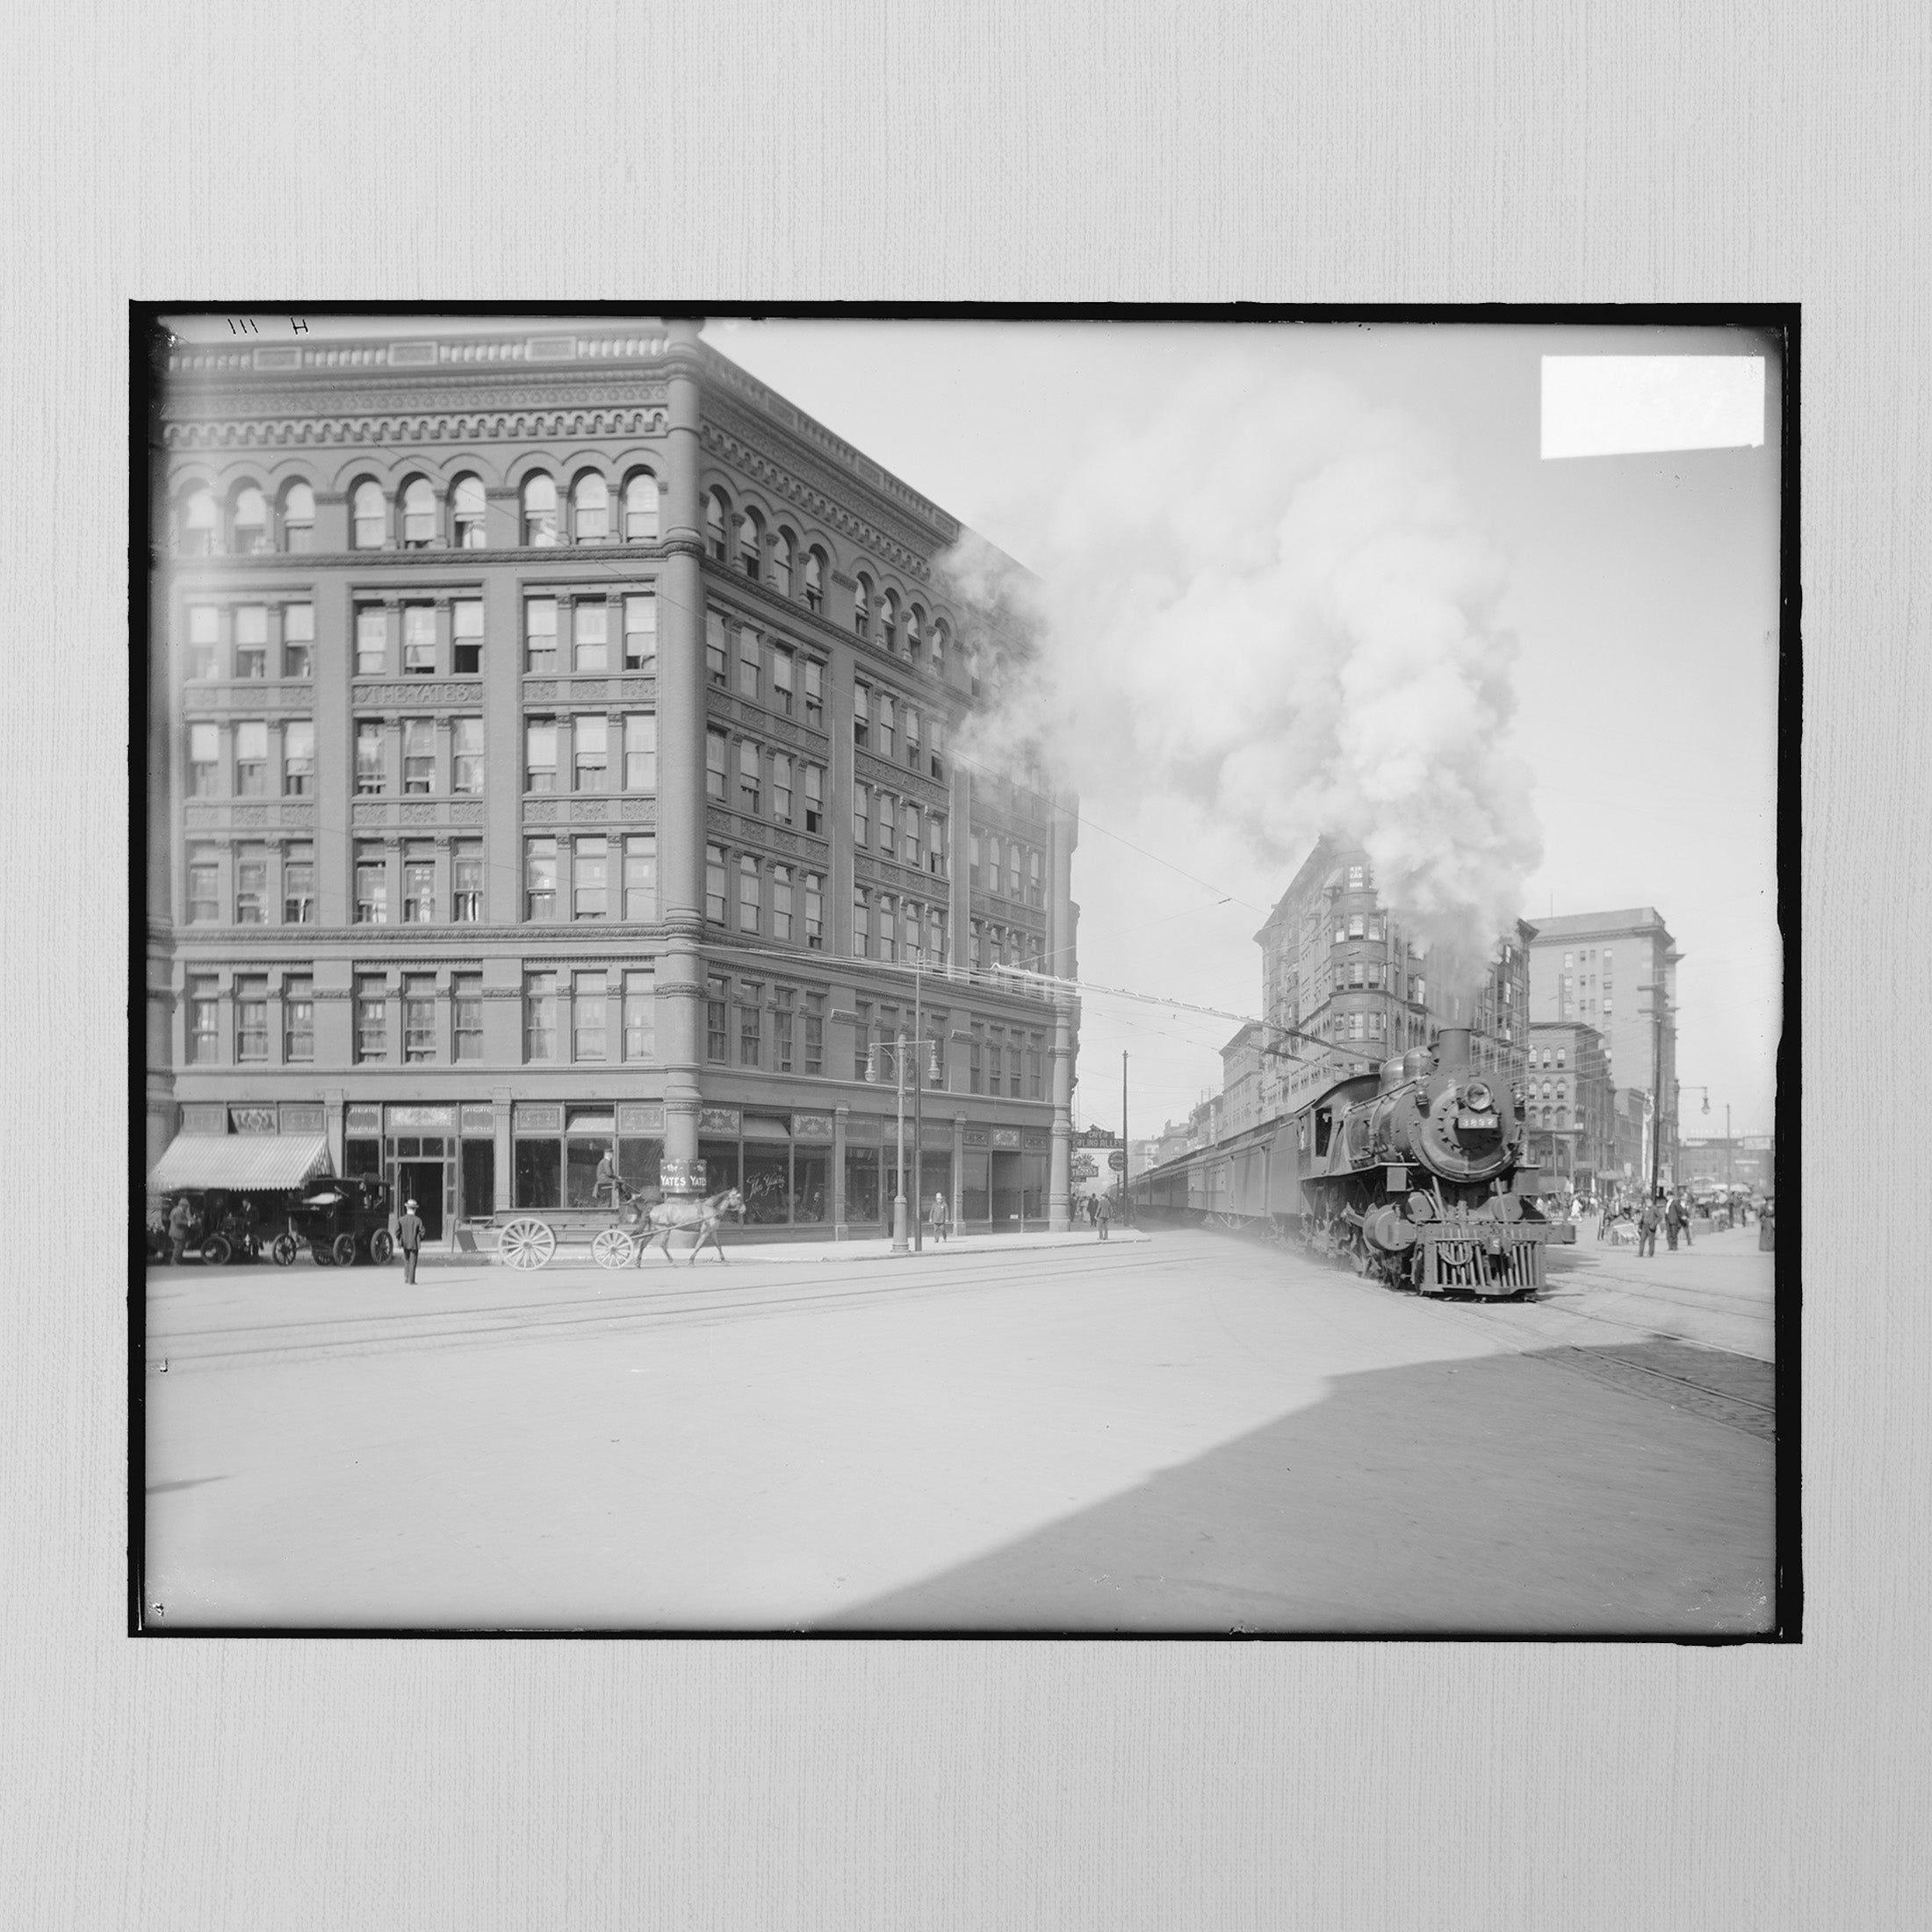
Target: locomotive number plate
[[1481, 1121]]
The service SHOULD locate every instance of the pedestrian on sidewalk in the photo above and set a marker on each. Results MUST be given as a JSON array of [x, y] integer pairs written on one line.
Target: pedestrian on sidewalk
[[1673, 1222], [409, 1239], [1686, 1213], [1647, 1228], [1103, 1213], [181, 1228], [936, 1215]]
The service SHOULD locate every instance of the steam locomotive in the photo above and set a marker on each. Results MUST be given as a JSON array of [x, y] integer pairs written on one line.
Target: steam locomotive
[[1414, 1175]]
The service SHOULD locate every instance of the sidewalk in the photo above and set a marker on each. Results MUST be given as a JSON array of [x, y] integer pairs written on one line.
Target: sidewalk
[[871, 1249]]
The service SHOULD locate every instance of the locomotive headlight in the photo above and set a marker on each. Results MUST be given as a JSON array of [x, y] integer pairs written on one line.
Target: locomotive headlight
[[1476, 1095]]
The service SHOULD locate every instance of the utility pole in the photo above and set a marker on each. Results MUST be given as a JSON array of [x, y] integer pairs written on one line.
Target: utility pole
[[1123, 1133], [898, 1203], [919, 1081]]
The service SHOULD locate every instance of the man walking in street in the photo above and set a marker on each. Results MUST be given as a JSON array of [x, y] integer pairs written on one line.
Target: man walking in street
[[1646, 1228], [1103, 1213], [409, 1239], [936, 1215]]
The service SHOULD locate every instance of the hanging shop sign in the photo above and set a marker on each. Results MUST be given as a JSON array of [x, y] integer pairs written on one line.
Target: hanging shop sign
[[417, 1119], [682, 1176]]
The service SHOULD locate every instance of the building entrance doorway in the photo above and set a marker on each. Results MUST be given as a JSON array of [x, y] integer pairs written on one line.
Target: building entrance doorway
[[422, 1182]]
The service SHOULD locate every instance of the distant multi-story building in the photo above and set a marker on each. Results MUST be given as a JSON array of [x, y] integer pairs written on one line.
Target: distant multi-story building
[[551, 754], [1346, 986], [1241, 1076], [1617, 971], [1570, 1104], [1745, 1160]]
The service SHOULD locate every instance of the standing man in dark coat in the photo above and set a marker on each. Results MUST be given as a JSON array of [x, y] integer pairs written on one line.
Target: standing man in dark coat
[[181, 1227], [1646, 1228], [1103, 1213], [409, 1239]]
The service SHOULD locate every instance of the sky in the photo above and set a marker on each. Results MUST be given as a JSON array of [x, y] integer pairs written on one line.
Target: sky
[[1640, 591], [1619, 732]]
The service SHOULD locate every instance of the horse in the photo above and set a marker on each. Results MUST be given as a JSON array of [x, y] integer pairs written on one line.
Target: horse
[[701, 1217]]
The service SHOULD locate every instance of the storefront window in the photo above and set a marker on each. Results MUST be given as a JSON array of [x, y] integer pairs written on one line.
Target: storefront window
[[580, 1168], [720, 1159], [538, 1174], [640, 1165], [862, 1185], [767, 1185], [810, 1198]]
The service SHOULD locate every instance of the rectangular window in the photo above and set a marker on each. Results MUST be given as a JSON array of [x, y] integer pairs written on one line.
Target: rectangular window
[[590, 879], [976, 1064], [815, 799], [297, 1020], [419, 885], [371, 1017], [251, 1018], [371, 885], [371, 640], [781, 902], [935, 845], [587, 1018], [1013, 872], [815, 1033], [466, 635], [590, 752], [204, 641], [995, 1058], [251, 759], [888, 822], [540, 754], [718, 667], [974, 945], [861, 926], [714, 884], [862, 817], [369, 776], [640, 876], [784, 673], [938, 749], [911, 738], [1036, 890], [888, 928], [540, 634], [936, 935], [781, 787], [748, 777], [251, 641], [815, 911], [862, 715], [419, 640], [297, 640], [467, 1012], [418, 755], [204, 1019], [590, 635], [1034, 1069], [299, 885], [540, 878], [748, 895], [466, 755], [909, 834], [539, 1016], [640, 631], [747, 662], [909, 930], [717, 764], [784, 1022], [751, 1022], [718, 991], [815, 692], [862, 1040], [299, 758], [640, 1015], [204, 761], [884, 739], [419, 1018], [640, 751], [467, 882]]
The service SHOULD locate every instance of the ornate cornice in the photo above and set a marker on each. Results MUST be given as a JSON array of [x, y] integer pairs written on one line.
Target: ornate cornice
[[482, 418]]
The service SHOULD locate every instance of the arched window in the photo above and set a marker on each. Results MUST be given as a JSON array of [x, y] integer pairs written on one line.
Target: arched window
[[715, 509], [419, 514], [540, 513], [915, 633], [366, 517], [297, 517], [640, 509], [1562, 1116], [939, 648], [815, 580], [251, 521], [467, 510], [751, 545], [862, 607], [590, 509], [781, 562], [889, 621], [199, 522]]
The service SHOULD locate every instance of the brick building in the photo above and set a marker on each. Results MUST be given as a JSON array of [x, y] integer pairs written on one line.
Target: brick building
[[550, 751], [1570, 1102]]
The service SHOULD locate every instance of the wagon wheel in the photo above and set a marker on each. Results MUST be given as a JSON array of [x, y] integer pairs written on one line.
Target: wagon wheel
[[614, 1249], [216, 1251], [320, 1251], [342, 1251], [382, 1245], [526, 1243], [284, 1251]]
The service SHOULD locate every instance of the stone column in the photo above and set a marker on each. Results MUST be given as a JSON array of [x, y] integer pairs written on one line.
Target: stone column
[[681, 756], [840, 1230], [1059, 1204], [506, 1148], [334, 1101], [959, 1172]]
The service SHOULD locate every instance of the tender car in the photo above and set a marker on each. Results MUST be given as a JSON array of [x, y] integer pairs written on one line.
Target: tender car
[[340, 1221]]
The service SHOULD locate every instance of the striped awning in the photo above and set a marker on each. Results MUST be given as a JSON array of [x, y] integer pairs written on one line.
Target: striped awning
[[239, 1161]]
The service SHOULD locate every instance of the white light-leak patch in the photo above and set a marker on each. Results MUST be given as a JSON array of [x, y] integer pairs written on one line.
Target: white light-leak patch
[[1624, 405]]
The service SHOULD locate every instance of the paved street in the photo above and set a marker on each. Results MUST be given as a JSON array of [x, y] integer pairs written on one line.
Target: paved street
[[1191, 1433]]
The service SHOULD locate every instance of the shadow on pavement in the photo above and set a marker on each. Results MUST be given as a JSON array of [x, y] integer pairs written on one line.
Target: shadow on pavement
[[1566, 1492]]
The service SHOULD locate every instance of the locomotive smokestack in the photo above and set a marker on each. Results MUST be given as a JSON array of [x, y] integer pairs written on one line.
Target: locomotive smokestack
[[1452, 1051]]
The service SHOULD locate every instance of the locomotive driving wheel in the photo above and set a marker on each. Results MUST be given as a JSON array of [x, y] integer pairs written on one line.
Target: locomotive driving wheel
[[526, 1243], [614, 1249]]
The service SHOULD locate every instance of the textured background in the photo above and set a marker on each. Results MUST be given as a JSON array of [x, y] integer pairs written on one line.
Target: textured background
[[1364, 150]]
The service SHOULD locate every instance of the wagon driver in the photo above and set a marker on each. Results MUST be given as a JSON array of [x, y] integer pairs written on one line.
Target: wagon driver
[[606, 1186]]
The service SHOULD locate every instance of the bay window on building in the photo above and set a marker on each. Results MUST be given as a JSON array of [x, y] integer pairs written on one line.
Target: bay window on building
[[540, 1016], [467, 882], [371, 884], [540, 879], [640, 876], [203, 999], [251, 641], [640, 629], [297, 1020], [299, 885], [590, 878], [372, 1018]]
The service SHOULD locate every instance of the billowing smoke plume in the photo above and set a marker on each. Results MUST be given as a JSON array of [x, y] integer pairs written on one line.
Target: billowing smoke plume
[[1267, 599]]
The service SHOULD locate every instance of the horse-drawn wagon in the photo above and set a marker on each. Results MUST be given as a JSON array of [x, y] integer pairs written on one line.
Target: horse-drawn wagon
[[528, 1242]]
